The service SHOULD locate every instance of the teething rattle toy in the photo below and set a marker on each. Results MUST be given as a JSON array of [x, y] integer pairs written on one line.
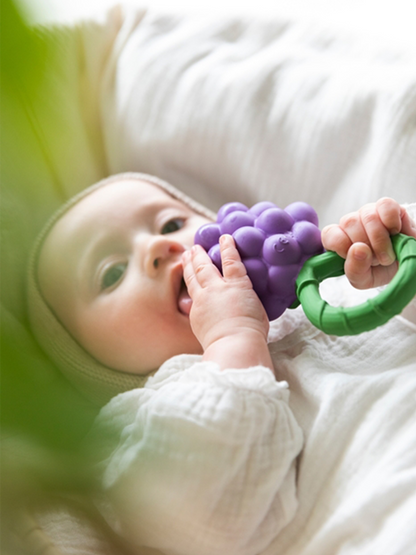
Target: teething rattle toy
[[285, 261]]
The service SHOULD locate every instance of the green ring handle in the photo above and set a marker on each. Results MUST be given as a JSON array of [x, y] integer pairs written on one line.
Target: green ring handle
[[368, 315]]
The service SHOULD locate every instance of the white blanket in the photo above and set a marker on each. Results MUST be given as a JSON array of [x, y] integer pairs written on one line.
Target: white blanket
[[203, 461], [245, 109], [354, 398]]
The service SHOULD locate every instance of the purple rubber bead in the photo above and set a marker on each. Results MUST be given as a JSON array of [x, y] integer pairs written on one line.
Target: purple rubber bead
[[282, 280], [281, 249], [257, 272], [274, 306], [302, 211], [273, 245], [308, 236], [249, 241], [260, 207], [235, 220], [228, 208], [215, 255], [274, 220], [207, 236]]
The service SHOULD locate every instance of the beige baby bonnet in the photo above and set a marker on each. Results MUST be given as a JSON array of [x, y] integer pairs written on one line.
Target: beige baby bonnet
[[94, 380]]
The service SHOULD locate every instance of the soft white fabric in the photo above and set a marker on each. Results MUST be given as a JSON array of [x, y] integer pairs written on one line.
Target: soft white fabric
[[354, 398], [234, 108], [205, 462], [201, 459]]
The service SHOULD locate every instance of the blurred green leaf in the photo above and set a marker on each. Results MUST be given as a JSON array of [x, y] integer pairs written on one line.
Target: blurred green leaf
[[36, 401], [22, 53]]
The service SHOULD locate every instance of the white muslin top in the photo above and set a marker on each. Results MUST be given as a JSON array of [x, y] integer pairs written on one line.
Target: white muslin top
[[319, 459]]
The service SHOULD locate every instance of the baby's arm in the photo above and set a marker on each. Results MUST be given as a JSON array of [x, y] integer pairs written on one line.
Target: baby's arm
[[226, 316], [363, 239]]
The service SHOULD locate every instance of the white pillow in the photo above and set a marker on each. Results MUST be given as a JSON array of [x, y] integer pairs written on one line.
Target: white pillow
[[245, 109]]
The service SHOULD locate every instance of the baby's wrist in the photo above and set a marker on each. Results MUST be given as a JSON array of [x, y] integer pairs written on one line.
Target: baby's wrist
[[237, 327], [240, 350]]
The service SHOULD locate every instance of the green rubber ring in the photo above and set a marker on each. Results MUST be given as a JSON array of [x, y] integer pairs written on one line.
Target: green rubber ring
[[366, 316]]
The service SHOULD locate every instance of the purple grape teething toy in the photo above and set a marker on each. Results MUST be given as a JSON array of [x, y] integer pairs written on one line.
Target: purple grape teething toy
[[277, 248], [273, 245]]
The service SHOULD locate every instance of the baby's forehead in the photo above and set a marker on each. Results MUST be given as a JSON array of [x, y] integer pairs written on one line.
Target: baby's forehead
[[118, 197], [114, 201]]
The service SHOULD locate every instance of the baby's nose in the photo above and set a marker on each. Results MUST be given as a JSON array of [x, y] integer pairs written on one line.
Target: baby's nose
[[160, 250]]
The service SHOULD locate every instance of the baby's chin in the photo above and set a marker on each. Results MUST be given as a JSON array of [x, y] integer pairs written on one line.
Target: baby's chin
[[190, 346]]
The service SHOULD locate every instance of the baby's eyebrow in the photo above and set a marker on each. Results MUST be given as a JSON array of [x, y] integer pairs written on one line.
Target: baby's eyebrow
[[153, 206], [156, 206]]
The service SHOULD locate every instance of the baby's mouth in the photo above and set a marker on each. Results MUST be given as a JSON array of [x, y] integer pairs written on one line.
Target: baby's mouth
[[184, 300]]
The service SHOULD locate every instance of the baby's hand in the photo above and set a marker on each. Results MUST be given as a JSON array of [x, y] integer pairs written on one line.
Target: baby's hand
[[227, 316], [363, 239]]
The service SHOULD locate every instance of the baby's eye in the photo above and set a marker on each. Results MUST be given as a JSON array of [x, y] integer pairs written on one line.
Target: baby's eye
[[112, 275], [172, 225]]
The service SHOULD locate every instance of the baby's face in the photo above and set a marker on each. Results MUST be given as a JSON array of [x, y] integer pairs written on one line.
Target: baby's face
[[111, 271]]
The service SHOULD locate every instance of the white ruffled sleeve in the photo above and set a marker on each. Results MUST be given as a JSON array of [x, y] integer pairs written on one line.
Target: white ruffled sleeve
[[204, 460]]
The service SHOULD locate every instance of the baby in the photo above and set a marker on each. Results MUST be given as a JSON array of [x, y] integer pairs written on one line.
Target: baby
[[108, 264], [211, 439]]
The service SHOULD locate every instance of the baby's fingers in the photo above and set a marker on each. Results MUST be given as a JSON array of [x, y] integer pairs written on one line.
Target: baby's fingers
[[390, 213], [198, 269], [360, 271], [380, 222], [358, 268], [335, 239], [189, 274], [408, 226], [232, 267]]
